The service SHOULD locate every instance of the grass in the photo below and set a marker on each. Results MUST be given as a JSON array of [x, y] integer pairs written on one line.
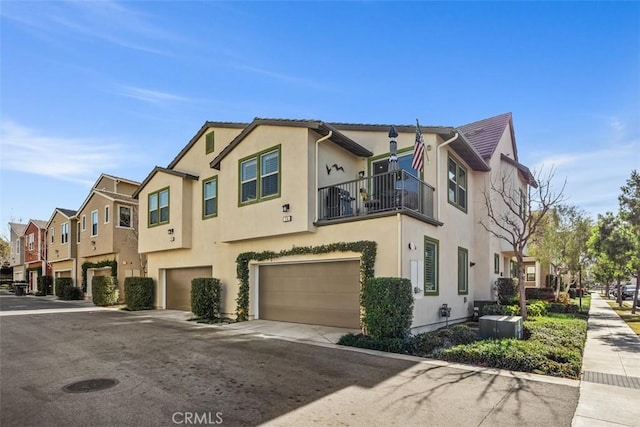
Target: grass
[[633, 320], [586, 303]]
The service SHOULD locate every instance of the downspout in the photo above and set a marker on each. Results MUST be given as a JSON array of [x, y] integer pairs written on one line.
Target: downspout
[[324, 138], [399, 251], [444, 144]]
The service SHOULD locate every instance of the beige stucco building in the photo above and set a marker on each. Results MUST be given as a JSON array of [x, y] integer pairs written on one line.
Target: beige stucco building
[[275, 185], [61, 244]]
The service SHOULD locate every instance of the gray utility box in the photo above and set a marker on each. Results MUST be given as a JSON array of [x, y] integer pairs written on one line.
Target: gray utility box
[[501, 327]]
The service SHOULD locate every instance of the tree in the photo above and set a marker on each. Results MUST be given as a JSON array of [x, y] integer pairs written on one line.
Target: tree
[[613, 238], [5, 251], [630, 212], [515, 212]]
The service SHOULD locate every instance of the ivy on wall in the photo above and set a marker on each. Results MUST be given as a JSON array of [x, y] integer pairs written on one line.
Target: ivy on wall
[[106, 263], [38, 270], [366, 248]]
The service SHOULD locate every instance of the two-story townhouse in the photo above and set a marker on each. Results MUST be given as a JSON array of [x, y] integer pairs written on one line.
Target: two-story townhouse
[[35, 253], [298, 187], [16, 258], [61, 243], [106, 236]]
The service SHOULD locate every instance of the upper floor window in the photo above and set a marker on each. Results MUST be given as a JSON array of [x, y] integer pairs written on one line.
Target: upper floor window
[[64, 233], [124, 216], [78, 231], [210, 197], [52, 231], [457, 181], [496, 263], [94, 223], [106, 214], [159, 207], [31, 241], [210, 142], [531, 273], [431, 260], [463, 271], [260, 176], [18, 246], [84, 222]]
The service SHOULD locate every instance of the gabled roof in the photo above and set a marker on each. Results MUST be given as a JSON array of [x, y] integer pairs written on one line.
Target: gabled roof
[[207, 125], [115, 178], [68, 213], [17, 228], [163, 170], [522, 170], [484, 135], [109, 195], [319, 127], [41, 224]]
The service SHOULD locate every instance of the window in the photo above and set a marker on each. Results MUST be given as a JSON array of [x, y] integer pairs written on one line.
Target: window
[[31, 241], [159, 207], [266, 167], [513, 266], [210, 197], [64, 233], [209, 142], [53, 235], [94, 223], [78, 231], [496, 263], [124, 216], [523, 204], [463, 271], [457, 179], [531, 273], [106, 214], [431, 259], [18, 246], [84, 222]]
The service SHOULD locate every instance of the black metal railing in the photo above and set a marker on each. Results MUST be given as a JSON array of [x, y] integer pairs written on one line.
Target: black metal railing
[[379, 193]]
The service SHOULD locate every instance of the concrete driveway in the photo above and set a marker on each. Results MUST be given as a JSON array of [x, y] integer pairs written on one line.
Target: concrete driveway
[[180, 373]]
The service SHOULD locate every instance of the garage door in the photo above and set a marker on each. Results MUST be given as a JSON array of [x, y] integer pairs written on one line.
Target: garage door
[[179, 286], [322, 293]]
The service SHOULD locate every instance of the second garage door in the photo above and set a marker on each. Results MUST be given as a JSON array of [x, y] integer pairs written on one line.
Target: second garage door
[[321, 293], [179, 286]]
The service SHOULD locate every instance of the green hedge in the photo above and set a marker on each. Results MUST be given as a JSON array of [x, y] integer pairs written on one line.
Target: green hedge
[[506, 290], [206, 295], [104, 290], [72, 293], [138, 293], [62, 283], [388, 307], [45, 285]]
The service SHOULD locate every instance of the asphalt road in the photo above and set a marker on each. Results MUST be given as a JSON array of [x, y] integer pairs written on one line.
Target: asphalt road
[[178, 373]]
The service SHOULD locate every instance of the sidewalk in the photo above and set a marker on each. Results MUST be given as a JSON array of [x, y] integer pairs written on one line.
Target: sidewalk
[[610, 380]]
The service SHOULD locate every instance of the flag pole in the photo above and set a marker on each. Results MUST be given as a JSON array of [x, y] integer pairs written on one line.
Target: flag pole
[[426, 152]]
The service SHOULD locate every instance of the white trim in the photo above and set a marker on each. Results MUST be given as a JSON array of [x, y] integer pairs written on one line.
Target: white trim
[[96, 223], [83, 222], [107, 214], [117, 223]]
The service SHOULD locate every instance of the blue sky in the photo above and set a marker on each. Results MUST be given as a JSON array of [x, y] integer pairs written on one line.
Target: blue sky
[[119, 87]]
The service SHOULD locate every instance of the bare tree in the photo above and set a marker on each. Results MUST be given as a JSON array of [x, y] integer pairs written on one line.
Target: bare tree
[[133, 238], [515, 210]]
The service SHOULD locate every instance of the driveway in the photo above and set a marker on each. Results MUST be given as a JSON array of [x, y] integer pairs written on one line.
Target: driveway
[[179, 373]]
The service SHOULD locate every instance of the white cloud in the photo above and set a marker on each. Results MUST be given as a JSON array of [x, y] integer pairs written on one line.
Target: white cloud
[[152, 96], [70, 159]]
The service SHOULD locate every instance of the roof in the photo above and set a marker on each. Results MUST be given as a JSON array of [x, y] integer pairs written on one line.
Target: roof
[[484, 135], [115, 178], [318, 126], [163, 170], [66, 212], [522, 169], [207, 125], [17, 228], [469, 154], [41, 224], [115, 197]]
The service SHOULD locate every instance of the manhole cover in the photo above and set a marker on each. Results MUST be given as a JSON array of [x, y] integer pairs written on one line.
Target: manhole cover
[[86, 386]]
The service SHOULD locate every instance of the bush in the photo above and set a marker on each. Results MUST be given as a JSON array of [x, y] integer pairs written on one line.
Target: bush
[[105, 290], [390, 345], [206, 295], [45, 285], [511, 310], [546, 294], [492, 310], [424, 344], [388, 307], [537, 308], [563, 298], [62, 283], [506, 290], [138, 293], [72, 293], [572, 292]]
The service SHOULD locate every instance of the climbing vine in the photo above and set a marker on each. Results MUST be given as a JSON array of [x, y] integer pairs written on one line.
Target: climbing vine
[[106, 263], [366, 248]]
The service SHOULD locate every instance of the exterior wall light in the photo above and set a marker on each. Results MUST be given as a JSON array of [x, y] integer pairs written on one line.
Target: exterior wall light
[[286, 207]]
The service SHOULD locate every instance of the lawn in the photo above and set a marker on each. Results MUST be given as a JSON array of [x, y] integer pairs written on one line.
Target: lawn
[[633, 320]]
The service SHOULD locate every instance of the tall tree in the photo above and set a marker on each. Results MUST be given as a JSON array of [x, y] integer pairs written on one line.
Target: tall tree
[[516, 210], [630, 212], [5, 251]]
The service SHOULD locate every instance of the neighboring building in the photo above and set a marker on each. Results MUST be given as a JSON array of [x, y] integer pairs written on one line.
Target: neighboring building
[[106, 232], [274, 185], [35, 253], [61, 244], [16, 258]]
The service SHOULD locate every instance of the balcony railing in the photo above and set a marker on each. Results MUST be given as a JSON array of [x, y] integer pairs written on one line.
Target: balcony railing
[[386, 192]]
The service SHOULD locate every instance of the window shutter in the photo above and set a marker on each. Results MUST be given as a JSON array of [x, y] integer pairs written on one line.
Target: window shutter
[[210, 145]]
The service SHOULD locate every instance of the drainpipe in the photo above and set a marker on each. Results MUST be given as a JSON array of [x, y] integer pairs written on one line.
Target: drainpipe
[[444, 144], [399, 251], [324, 138]]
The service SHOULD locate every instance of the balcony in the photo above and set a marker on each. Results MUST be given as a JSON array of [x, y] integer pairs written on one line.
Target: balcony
[[377, 195]]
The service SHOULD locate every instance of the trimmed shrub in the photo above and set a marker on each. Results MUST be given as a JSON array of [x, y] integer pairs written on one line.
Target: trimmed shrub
[[388, 307], [45, 285], [563, 298], [62, 283], [546, 294], [206, 295], [72, 293], [506, 290], [138, 293], [572, 292], [511, 310], [492, 310], [390, 345], [424, 344], [104, 290], [537, 308]]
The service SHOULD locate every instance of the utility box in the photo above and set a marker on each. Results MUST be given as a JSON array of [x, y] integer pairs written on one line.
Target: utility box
[[501, 327]]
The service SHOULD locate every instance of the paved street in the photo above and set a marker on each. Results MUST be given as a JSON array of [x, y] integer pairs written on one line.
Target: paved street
[[170, 372]]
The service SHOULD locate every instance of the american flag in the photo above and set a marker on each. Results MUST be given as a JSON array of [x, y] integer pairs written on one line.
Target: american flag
[[418, 150]]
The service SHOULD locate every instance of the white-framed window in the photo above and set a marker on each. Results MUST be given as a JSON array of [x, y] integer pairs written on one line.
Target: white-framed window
[[531, 273], [124, 216], [94, 223], [457, 190], [31, 241], [84, 222], [64, 233], [52, 231], [106, 214]]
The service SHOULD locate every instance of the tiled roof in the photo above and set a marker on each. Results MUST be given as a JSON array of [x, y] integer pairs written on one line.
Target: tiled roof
[[67, 212], [39, 223], [485, 134]]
